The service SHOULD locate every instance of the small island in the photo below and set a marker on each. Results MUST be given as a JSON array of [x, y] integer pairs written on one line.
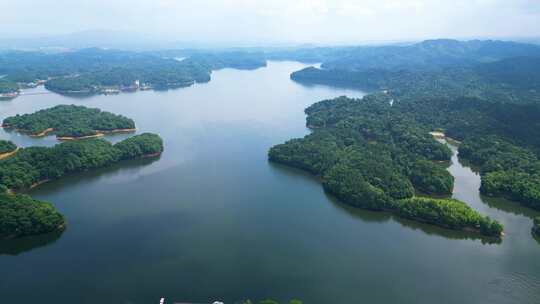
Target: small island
[[372, 156], [69, 122], [20, 215]]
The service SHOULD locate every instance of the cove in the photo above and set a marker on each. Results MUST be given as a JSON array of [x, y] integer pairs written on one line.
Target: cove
[[211, 219]]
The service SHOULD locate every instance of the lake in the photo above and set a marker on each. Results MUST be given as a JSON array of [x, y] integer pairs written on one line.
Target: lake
[[212, 219]]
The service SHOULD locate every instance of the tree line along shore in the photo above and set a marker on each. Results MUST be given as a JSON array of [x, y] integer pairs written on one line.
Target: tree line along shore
[[20, 215]]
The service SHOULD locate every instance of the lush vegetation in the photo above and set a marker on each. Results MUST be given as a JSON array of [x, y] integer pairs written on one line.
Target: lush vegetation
[[426, 55], [7, 146], [507, 169], [493, 81], [20, 215], [372, 155], [69, 120], [449, 213], [37, 164], [484, 93], [94, 70]]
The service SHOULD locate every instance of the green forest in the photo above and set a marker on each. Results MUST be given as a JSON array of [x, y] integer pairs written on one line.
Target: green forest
[[507, 170], [20, 215], [69, 120], [493, 81], [94, 70], [484, 93], [372, 156], [7, 146], [37, 164]]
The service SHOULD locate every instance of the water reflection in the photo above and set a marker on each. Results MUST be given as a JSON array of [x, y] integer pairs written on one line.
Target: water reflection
[[510, 206], [382, 217], [17, 246], [124, 169]]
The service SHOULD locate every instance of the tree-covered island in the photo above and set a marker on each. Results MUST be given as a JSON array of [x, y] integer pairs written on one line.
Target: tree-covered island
[[20, 215], [69, 122]]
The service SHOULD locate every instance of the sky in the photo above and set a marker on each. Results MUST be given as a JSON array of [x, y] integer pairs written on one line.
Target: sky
[[274, 21]]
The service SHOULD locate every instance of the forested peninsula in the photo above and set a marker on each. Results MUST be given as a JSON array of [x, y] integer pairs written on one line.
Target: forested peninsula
[[372, 156], [69, 122], [35, 165], [482, 93]]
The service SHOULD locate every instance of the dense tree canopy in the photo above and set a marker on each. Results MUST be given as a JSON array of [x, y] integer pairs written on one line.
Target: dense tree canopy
[[20, 215], [7, 146], [427, 55], [95, 70], [36, 164], [483, 93], [507, 170], [69, 120], [371, 155]]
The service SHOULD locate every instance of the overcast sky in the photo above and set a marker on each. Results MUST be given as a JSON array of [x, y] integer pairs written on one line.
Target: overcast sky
[[299, 21]]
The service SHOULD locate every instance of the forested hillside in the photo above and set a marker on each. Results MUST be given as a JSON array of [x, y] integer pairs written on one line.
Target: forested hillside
[[515, 80], [425, 55], [96, 70]]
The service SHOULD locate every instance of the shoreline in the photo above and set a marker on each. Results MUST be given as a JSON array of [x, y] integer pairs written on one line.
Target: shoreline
[[9, 154], [99, 133], [41, 182], [67, 138], [42, 133]]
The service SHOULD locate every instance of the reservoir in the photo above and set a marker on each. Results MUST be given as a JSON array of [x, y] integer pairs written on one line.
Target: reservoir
[[212, 219]]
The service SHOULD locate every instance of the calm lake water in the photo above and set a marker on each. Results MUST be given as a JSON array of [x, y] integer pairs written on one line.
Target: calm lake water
[[211, 219]]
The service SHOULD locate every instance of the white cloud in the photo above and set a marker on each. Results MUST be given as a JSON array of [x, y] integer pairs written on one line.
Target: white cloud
[[277, 20]]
